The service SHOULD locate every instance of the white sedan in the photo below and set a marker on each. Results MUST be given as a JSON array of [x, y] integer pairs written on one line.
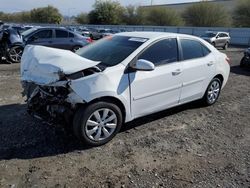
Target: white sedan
[[120, 78]]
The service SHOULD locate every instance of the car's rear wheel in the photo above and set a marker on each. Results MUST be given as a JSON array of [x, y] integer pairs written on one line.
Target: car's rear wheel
[[213, 92], [97, 123], [225, 46], [243, 62], [15, 54], [75, 48]]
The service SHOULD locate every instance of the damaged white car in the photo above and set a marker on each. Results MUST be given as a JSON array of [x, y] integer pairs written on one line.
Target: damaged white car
[[120, 78]]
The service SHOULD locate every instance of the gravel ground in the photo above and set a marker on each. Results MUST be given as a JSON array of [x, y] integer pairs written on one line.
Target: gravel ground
[[187, 146]]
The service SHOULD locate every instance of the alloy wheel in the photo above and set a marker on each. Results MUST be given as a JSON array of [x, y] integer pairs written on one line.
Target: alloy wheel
[[213, 91], [101, 124], [15, 54]]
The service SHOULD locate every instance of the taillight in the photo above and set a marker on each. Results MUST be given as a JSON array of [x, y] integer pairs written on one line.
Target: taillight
[[89, 40], [228, 60]]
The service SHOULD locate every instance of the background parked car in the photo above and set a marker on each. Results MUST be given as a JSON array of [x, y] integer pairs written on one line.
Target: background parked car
[[245, 61], [218, 39], [100, 33], [11, 45], [56, 38]]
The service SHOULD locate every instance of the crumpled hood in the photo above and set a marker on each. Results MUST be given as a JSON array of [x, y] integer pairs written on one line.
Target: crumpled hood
[[44, 65]]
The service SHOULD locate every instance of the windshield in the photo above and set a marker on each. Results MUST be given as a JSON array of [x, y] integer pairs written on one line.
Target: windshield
[[209, 35], [28, 32], [111, 51]]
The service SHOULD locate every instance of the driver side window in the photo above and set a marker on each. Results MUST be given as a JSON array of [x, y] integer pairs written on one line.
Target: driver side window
[[162, 52]]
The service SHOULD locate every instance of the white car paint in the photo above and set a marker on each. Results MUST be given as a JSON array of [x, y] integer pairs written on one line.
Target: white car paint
[[140, 92]]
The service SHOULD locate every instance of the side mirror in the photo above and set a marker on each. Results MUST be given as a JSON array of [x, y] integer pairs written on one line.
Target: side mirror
[[143, 65]]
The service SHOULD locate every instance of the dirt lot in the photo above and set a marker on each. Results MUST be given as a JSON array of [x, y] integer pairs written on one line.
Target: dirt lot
[[188, 146]]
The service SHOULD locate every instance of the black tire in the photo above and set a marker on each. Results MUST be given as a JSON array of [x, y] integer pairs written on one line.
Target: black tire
[[213, 43], [242, 62], [15, 54], [75, 48], [225, 46], [84, 113], [205, 99]]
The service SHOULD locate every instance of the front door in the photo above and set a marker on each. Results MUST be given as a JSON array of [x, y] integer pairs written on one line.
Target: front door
[[159, 89], [42, 37]]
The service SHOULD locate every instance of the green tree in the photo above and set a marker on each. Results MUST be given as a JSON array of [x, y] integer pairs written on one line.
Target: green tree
[[106, 12], [132, 16], [82, 18], [162, 16], [205, 14], [47, 14], [241, 14]]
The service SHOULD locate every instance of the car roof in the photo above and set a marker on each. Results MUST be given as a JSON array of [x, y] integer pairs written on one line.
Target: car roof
[[154, 35], [216, 32]]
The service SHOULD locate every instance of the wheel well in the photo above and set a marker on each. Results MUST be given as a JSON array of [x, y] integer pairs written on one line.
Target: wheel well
[[220, 77], [114, 101]]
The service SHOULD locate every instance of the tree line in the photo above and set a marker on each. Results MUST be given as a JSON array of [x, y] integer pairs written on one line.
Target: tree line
[[109, 12], [47, 14]]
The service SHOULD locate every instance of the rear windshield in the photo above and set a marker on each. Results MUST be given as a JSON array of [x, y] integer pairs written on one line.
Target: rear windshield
[[112, 50]]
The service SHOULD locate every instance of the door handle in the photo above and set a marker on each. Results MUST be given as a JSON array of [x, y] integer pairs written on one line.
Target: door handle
[[50, 42], [210, 63], [176, 72]]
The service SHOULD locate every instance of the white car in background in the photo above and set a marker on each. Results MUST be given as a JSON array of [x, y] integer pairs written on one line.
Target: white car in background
[[120, 78]]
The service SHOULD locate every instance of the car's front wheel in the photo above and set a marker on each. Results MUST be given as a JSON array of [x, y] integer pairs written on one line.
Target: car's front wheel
[[15, 54], [97, 123], [213, 92]]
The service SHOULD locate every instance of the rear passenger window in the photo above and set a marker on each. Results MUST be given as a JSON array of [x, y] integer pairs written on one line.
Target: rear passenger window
[[162, 52], [61, 34], [206, 51], [192, 49]]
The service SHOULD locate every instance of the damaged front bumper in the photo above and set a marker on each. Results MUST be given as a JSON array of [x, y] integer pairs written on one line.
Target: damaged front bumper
[[54, 103]]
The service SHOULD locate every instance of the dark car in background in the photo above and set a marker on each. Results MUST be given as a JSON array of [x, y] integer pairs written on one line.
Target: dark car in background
[[217, 39], [245, 61], [56, 38], [11, 45]]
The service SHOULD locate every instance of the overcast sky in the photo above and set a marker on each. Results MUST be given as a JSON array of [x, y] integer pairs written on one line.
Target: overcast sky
[[71, 7]]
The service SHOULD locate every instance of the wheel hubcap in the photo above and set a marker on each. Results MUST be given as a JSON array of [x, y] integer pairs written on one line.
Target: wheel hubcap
[[213, 92], [15, 54], [101, 124]]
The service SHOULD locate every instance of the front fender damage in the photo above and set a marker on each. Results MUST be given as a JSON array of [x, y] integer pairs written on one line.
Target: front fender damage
[[46, 75]]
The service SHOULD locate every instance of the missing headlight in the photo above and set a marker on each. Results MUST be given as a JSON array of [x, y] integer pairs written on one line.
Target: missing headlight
[[83, 73]]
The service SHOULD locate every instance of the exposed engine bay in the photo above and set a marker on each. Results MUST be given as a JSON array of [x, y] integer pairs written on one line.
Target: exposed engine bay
[[53, 99], [54, 103]]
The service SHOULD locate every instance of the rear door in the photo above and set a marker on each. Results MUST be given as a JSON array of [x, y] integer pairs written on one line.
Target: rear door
[[198, 69], [62, 39], [159, 89]]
